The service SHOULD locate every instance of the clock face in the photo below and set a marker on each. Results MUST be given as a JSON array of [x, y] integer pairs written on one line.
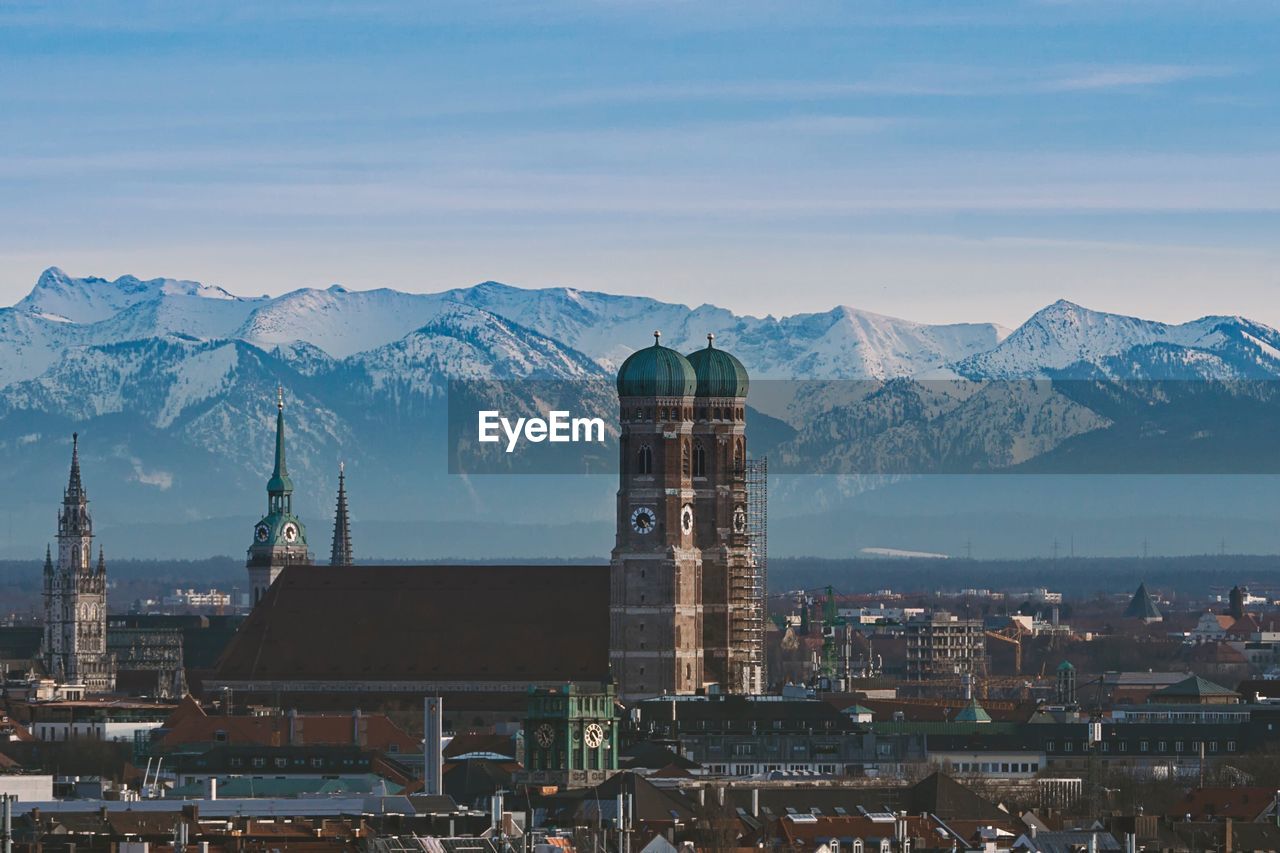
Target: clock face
[[594, 735], [739, 520], [544, 735], [290, 532], [644, 520], [686, 519], [261, 532]]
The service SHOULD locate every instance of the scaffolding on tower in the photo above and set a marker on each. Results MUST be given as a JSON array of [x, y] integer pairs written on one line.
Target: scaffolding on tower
[[757, 471]]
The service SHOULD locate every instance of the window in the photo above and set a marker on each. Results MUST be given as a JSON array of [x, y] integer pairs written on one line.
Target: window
[[1143, 746], [1164, 746], [259, 762], [1231, 746], [699, 459], [644, 460]]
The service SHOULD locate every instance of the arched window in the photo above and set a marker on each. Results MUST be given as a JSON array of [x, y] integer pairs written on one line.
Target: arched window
[[644, 460], [699, 459], [739, 454], [684, 457]]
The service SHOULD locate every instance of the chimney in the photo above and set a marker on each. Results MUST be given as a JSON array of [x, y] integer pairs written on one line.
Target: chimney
[[359, 728], [211, 790], [1228, 835], [755, 802]]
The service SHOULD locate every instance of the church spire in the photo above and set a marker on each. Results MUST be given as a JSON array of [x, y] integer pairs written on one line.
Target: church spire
[[75, 490], [279, 487], [341, 553], [48, 560], [102, 563]]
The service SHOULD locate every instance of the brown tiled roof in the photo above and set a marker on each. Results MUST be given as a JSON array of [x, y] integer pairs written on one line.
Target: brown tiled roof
[[812, 832], [191, 725], [426, 623], [1210, 803]]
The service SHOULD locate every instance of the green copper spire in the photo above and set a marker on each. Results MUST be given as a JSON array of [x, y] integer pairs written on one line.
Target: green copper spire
[[280, 484]]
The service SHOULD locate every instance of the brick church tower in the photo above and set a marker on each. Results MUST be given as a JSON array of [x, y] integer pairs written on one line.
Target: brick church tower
[[656, 571], [685, 604], [730, 637]]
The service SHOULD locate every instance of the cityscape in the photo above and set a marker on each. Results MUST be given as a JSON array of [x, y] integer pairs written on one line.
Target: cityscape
[[671, 698], [639, 426]]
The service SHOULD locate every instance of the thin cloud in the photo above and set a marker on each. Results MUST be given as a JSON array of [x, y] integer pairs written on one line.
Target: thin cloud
[[921, 81], [1134, 76]]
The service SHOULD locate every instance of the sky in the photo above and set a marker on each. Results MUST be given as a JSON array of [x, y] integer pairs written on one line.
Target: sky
[[940, 161]]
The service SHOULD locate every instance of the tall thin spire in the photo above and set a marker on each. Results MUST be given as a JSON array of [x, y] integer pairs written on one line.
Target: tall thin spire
[[341, 553], [75, 489], [48, 560], [281, 470], [102, 563], [279, 487]]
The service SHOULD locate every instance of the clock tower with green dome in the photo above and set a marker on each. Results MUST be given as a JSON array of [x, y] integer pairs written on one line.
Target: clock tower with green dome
[[655, 607], [279, 539], [732, 634]]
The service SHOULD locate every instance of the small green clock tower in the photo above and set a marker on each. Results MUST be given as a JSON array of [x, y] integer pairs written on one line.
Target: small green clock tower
[[279, 539], [571, 735]]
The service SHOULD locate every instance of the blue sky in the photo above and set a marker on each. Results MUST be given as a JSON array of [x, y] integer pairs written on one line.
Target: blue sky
[[941, 161]]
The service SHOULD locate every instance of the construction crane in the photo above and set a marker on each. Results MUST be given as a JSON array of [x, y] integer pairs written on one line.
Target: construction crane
[[1013, 636]]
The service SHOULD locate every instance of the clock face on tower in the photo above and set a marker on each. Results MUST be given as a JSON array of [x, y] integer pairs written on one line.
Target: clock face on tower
[[290, 532], [544, 735], [644, 519], [739, 519], [594, 735], [686, 519], [262, 532]]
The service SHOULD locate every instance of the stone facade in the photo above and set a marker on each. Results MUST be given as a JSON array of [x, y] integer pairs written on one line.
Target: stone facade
[[75, 596]]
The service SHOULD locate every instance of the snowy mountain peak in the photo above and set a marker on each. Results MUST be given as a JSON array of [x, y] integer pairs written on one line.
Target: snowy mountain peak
[[57, 295]]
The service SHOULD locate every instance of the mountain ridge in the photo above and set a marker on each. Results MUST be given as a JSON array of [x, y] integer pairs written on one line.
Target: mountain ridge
[[171, 383]]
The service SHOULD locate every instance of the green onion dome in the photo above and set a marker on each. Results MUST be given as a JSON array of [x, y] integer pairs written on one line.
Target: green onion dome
[[719, 373], [656, 371]]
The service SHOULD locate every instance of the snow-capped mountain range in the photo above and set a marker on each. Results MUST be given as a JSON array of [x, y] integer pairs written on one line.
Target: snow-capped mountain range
[[170, 382]]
